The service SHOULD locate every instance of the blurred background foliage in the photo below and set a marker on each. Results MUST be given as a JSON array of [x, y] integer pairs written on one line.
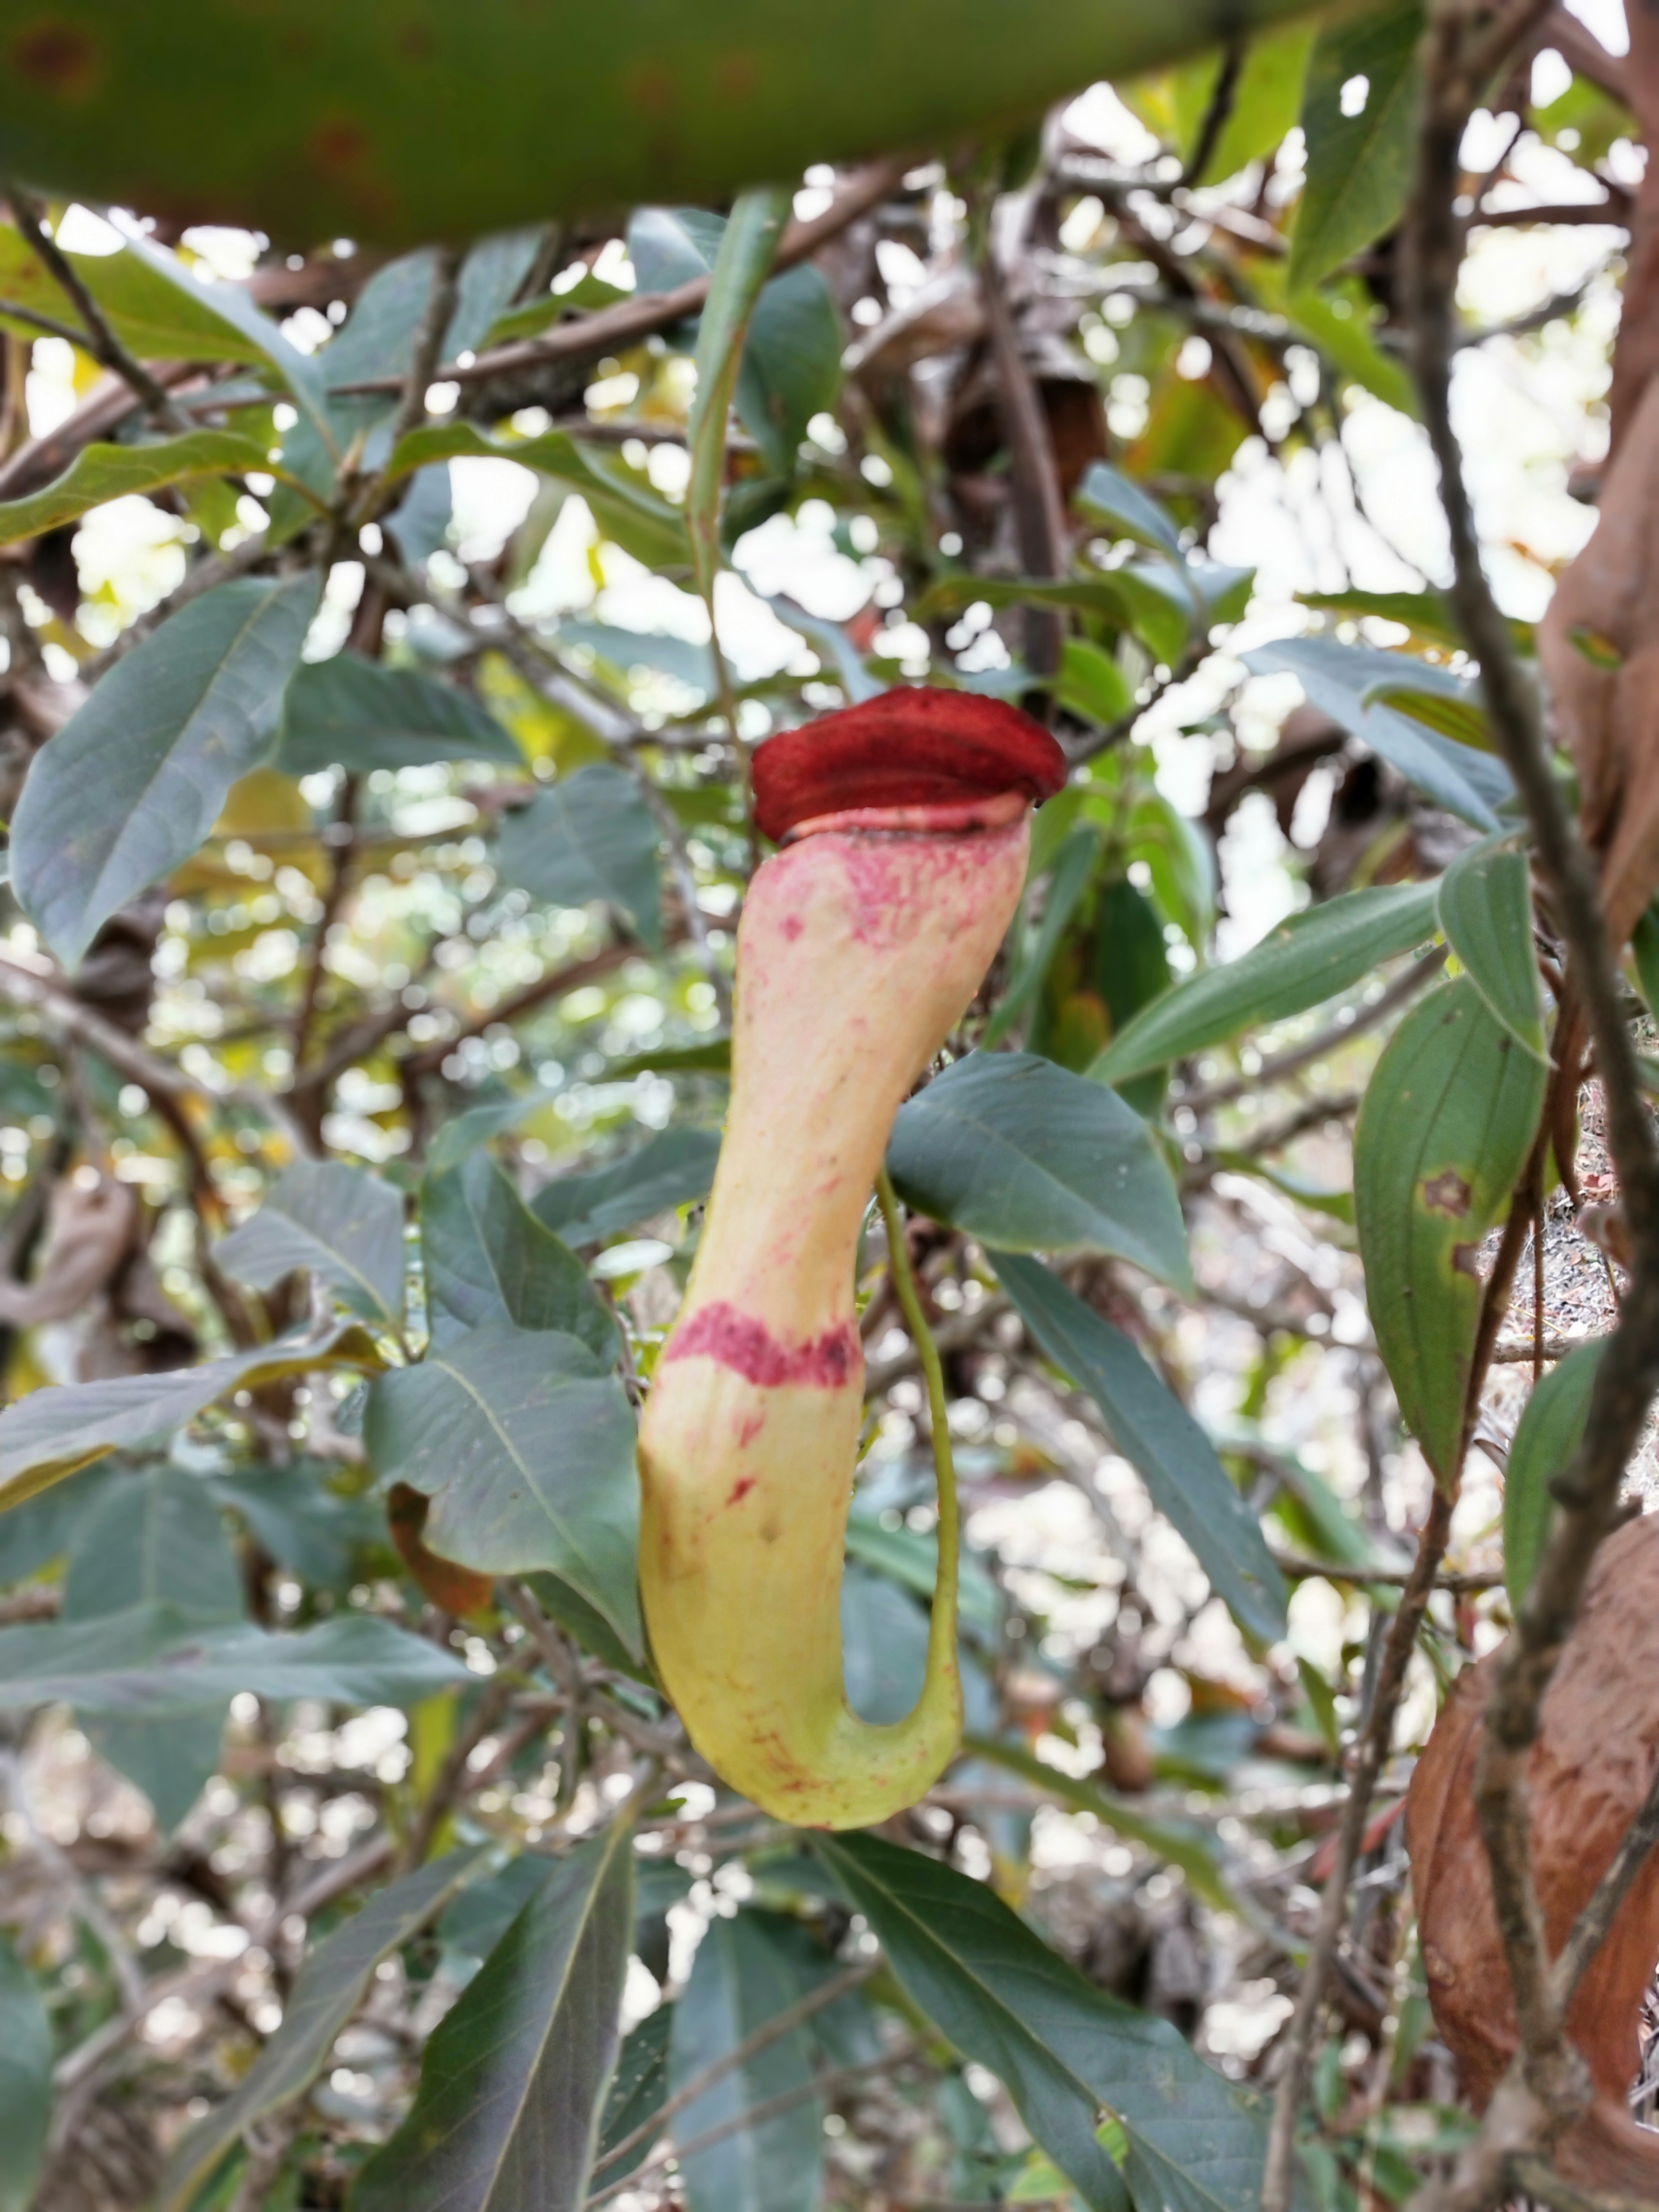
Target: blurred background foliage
[[386, 635]]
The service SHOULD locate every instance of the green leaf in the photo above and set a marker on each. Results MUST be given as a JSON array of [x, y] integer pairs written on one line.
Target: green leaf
[[212, 306], [623, 505], [1018, 1152], [140, 108], [639, 2090], [356, 715], [1485, 911], [1108, 497], [1181, 1843], [1265, 101], [327, 1992], [1061, 2048], [305, 1526], [340, 1222], [1546, 1442], [1159, 1437], [790, 368], [150, 1661], [1644, 948], [26, 2056], [514, 2078], [1300, 963], [1340, 679], [741, 1979], [136, 779], [104, 472], [156, 1538], [1074, 865], [488, 1259], [51, 1432], [1359, 167], [671, 1169], [741, 263], [151, 314], [910, 1557], [1340, 321], [1091, 684], [590, 837], [526, 1447], [1447, 1123]]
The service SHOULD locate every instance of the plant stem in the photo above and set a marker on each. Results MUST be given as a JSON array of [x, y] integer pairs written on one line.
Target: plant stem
[[942, 1632]]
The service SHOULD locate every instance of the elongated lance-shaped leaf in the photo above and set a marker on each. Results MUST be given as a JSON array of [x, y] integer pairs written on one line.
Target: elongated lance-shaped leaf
[[152, 1661], [670, 1170], [104, 473], [513, 2083], [741, 1979], [1299, 965], [24, 2081], [1447, 1123], [1160, 1439], [741, 267], [1346, 682], [1485, 910], [1180, 1843], [136, 779], [1359, 164], [1107, 495], [330, 1987], [51, 1432], [1064, 2050], [1546, 1442], [626, 510]]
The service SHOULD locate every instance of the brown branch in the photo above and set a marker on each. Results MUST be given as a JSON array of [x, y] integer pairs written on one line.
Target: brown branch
[[761, 2039], [1342, 1570], [1039, 510], [628, 321], [99, 339]]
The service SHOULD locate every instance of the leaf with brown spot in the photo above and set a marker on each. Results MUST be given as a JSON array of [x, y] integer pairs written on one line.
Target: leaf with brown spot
[[1444, 1132]]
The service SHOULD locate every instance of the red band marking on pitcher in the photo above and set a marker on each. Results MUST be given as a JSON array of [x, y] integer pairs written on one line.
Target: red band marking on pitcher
[[749, 1348]]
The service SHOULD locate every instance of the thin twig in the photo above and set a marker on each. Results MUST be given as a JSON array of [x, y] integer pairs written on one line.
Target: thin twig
[[610, 330], [100, 340], [1342, 1570], [827, 2084], [29, 987], [1400, 993], [768, 2032]]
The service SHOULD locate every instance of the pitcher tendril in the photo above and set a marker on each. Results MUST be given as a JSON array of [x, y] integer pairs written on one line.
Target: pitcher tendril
[[904, 826], [942, 1634]]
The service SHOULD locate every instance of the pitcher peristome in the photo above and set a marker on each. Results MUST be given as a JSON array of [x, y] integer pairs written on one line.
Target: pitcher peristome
[[905, 827]]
